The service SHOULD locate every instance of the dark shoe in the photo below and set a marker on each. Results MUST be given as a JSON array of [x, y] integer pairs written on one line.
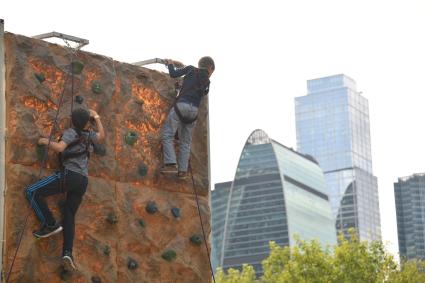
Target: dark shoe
[[169, 169], [68, 261], [182, 175], [47, 231]]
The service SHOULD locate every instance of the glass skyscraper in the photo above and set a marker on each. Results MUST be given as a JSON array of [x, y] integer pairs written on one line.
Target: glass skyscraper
[[410, 206], [277, 193], [332, 123]]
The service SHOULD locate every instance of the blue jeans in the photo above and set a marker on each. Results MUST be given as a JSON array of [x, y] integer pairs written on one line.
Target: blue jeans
[[171, 126]]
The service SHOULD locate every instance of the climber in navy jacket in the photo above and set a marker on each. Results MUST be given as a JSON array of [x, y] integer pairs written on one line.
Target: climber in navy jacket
[[182, 116]]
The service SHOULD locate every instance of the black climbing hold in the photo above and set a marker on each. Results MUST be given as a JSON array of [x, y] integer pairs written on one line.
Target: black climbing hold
[[41, 151], [143, 169], [77, 67], [132, 264], [151, 207], [79, 99], [142, 223], [130, 138], [176, 212], [196, 239], [40, 77], [96, 87], [106, 250], [169, 255], [96, 279], [99, 149], [112, 218]]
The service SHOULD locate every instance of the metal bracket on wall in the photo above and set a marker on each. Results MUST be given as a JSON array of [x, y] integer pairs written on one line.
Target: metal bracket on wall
[[150, 61], [81, 41]]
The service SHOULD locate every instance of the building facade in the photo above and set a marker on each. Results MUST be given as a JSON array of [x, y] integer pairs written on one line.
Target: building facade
[[277, 193], [409, 195], [332, 123]]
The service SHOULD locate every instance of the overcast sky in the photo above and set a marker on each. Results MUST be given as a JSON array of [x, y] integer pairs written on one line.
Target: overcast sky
[[264, 52]]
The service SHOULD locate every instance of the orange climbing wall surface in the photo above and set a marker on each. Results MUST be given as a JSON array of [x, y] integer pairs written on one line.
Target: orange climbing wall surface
[[112, 224]]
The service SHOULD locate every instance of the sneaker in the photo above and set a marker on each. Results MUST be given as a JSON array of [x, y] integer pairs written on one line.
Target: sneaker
[[169, 169], [68, 261], [47, 231], [182, 175]]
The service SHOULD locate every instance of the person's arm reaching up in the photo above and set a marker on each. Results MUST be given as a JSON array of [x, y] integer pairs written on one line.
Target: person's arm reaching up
[[100, 135], [176, 72]]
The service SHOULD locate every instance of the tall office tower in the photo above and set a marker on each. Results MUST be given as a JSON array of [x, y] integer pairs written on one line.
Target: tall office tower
[[277, 193], [410, 206], [332, 123], [219, 199]]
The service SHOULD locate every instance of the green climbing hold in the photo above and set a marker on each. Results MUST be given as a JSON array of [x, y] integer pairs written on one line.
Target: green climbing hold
[[142, 223], [41, 151], [40, 77], [151, 207], [96, 87], [106, 250], [130, 138], [77, 67], [196, 239], [139, 101], [169, 255], [143, 169], [112, 218]]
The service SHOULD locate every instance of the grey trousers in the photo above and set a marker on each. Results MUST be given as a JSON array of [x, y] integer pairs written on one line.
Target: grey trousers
[[173, 124]]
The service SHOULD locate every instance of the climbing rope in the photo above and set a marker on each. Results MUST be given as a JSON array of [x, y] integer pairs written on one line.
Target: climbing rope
[[200, 219], [43, 164]]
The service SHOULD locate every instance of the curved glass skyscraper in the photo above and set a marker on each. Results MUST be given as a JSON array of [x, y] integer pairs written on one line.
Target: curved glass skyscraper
[[277, 193]]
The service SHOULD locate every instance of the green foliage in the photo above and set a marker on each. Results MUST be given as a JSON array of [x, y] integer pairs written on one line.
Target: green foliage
[[351, 260], [247, 275]]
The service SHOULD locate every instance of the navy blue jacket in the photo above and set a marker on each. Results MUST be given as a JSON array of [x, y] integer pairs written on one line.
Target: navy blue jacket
[[196, 83]]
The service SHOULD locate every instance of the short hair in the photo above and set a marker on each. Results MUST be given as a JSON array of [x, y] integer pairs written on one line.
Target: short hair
[[79, 118], [206, 62]]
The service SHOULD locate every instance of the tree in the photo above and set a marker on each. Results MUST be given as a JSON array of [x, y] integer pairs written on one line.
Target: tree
[[351, 260]]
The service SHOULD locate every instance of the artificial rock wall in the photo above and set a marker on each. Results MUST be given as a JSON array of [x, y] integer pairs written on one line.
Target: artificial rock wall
[[119, 236]]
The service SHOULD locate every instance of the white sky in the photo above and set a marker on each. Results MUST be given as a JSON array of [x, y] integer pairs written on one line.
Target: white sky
[[264, 52]]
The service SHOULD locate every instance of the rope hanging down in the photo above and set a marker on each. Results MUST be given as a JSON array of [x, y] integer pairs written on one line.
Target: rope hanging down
[[200, 219], [44, 160]]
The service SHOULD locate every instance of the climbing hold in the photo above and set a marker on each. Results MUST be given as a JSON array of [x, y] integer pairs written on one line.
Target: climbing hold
[[41, 151], [40, 77], [99, 149], [132, 264], [143, 169], [65, 275], [96, 279], [96, 87], [196, 239], [151, 207], [169, 255], [130, 138], [79, 99], [77, 67], [112, 218], [176, 212], [106, 250], [139, 101], [142, 223]]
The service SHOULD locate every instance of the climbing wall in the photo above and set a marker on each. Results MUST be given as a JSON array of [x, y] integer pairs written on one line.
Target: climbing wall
[[134, 225]]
